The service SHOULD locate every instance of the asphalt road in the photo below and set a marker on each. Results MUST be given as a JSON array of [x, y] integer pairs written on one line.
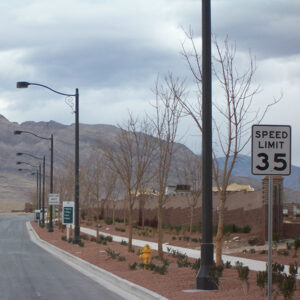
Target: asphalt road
[[27, 272]]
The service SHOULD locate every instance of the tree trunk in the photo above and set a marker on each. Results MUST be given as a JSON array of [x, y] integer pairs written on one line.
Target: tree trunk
[[113, 214], [129, 228], [219, 236], [191, 219], [159, 231]]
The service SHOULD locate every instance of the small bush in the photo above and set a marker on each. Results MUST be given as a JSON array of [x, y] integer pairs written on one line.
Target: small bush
[[111, 253], [263, 252], [183, 263], [196, 265], [124, 243], [121, 258], [261, 279], [84, 237], [283, 252], [194, 240], [252, 250], [81, 243], [120, 229], [173, 238], [64, 238], [228, 265], [133, 266], [108, 221], [297, 244], [93, 239]]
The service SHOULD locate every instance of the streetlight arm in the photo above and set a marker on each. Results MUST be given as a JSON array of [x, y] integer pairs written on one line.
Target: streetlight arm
[[21, 153], [24, 84], [23, 162], [24, 131]]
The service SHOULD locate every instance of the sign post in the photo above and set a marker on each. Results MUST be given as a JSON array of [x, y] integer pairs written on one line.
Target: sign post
[[271, 155]]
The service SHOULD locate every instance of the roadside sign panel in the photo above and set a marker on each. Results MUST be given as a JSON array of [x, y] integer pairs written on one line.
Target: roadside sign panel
[[271, 150], [37, 215], [68, 212], [53, 199]]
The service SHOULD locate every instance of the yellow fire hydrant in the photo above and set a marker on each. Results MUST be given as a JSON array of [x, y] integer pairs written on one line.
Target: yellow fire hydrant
[[145, 256]]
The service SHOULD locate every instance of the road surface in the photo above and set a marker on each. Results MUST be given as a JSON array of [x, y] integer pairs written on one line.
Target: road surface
[[27, 272]]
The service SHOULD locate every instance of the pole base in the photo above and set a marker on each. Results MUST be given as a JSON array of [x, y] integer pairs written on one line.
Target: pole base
[[204, 278]]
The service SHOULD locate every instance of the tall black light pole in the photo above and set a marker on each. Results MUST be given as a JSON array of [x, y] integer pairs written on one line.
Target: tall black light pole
[[50, 228], [43, 194], [24, 84], [203, 278]]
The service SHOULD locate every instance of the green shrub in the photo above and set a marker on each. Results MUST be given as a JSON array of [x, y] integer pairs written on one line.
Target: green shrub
[[228, 265], [64, 238], [84, 237], [124, 243], [121, 258], [283, 252], [196, 265], [108, 221], [111, 253], [133, 266], [261, 279], [183, 263], [173, 238], [120, 229], [81, 243], [252, 250], [297, 244]]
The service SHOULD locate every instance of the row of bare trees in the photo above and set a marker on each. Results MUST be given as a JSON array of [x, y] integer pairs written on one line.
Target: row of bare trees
[[143, 149]]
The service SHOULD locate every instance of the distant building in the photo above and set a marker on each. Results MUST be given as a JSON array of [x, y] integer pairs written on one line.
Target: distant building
[[234, 187], [178, 189]]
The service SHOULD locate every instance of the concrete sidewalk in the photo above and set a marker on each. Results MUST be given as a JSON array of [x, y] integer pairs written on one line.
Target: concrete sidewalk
[[254, 265]]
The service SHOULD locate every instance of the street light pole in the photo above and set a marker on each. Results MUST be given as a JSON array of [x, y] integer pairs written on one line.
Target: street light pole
[[203, 278], [76, 238], [50, 228], [24, 84]]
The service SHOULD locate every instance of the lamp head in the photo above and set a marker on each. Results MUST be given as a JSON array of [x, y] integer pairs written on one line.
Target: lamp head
[[22, 84], [19, 153], [18, 131], [18, 163]]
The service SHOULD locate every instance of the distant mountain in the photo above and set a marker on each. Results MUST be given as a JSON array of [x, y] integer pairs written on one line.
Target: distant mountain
[[17, 186]]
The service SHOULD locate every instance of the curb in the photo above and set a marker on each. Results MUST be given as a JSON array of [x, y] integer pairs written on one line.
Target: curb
[[124, 288]]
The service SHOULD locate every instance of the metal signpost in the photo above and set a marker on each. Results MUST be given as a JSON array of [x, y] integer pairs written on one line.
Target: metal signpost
[[271, 155]]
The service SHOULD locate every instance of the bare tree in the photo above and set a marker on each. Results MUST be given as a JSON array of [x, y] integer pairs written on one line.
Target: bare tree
[[167, 114], [130, 159], [233, 117]]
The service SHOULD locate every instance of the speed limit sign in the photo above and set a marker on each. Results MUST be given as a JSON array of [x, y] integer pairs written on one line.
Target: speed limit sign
[[271, 150]]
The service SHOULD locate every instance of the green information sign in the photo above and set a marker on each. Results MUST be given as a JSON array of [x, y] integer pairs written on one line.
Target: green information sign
[[68, 212], [37, 215]]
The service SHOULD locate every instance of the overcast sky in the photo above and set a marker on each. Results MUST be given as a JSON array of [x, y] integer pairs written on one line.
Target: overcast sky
[[113, 51]]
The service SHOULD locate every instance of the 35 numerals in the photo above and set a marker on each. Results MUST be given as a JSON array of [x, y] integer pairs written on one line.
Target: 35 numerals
[[279, 160]]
